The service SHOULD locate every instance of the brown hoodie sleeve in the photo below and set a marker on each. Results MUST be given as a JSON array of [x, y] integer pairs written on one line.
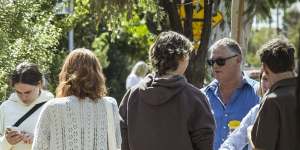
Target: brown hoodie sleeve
[[266, 128], [202, 125], [123, 122]]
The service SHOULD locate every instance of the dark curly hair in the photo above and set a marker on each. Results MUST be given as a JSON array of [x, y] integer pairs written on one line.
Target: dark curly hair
[[168, 48], [278, 55]]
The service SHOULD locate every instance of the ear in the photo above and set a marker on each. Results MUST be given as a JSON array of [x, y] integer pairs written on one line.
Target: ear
[[266, 69], [239, 59], [40, 85]]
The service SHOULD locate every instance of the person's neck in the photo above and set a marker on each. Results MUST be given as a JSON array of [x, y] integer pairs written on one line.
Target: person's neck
[[28, 103], [281, 76], [169, 74], [228, 87], [231, 84]]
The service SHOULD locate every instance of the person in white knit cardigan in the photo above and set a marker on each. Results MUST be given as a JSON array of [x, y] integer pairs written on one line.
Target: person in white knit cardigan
[[79, 119], [27, 82]]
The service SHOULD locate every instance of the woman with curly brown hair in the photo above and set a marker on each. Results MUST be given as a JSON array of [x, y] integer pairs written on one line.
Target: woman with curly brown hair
[[78, 118], [164, 111]]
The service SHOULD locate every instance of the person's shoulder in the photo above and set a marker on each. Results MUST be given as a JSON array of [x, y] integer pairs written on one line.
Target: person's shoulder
[[57, 102], [253, 83], [282, 95], [211, 86], [12, 100], [6, 104], [109, 99], [47, 95], [195, 93]]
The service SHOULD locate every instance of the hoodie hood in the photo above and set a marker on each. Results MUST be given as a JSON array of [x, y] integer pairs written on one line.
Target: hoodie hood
[[154, 90], [44, 96]]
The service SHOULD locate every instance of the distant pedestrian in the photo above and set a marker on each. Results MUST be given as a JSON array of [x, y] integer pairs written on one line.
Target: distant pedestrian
[[137, 73]]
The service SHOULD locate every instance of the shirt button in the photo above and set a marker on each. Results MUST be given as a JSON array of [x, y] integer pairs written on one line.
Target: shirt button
[[226, 115], [224, 127]]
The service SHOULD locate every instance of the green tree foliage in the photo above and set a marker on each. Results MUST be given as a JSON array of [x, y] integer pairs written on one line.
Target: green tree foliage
[[27, 34], [257, 39], [292, 24], [120, 49]]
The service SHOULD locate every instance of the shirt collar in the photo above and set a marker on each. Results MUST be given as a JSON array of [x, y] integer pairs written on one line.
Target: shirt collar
[[246, 81]]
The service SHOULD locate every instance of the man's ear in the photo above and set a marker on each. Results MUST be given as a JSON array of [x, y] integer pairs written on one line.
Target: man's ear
[[265, 69], [239, 59], [40, 85]]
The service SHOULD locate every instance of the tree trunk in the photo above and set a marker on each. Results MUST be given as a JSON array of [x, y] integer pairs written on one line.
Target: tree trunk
[[196, 70], [241, 25], [246, 31], [188, 22], [237, 9], [171, 9]]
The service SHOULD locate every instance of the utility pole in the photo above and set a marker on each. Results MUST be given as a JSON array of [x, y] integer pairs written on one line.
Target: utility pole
[[237, 23], [237, 12], [66, 7], [71, 32]]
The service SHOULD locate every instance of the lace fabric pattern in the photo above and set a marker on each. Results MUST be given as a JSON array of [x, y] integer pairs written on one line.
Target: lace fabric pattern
[[72, 124]]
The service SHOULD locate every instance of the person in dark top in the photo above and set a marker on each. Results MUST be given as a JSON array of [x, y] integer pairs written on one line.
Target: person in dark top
[[276, 126], [164, 111]]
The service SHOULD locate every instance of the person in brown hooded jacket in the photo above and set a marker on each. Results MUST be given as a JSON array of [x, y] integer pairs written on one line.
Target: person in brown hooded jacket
[[276, 126], [164, 111]]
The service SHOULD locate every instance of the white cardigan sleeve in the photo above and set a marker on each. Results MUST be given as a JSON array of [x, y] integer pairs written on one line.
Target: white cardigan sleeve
[[3, 142], [116, 119], [42, 130], [117, 125]]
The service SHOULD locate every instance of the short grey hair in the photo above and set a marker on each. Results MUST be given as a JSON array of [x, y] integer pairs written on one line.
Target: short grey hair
[[228, 43]]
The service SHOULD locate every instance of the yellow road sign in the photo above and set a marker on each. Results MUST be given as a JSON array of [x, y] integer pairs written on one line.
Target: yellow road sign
[[198, 18]]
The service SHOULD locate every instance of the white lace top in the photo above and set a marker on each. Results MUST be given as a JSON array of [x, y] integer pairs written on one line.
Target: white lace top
[[71, 124]]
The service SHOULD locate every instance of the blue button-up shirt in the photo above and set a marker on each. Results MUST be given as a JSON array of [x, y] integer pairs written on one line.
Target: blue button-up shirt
[[241, 101]]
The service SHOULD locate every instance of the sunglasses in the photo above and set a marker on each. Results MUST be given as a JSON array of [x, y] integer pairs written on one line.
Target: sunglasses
[[219, 61]]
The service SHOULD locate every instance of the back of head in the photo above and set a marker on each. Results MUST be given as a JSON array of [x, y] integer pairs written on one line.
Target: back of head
[[27, 73], [140, 69], [168, 49], [278, 55], [81, 76]]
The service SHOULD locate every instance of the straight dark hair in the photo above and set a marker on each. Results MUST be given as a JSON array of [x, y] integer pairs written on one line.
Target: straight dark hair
[[27, 73]]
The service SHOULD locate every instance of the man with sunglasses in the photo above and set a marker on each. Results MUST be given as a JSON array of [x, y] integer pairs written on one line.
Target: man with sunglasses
[[232, 94]]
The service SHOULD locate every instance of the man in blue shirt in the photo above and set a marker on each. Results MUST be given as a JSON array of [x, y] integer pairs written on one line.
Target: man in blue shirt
[[231, 95]]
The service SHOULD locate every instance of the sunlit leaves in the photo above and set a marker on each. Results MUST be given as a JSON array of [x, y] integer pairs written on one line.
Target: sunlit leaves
[[27, 34]]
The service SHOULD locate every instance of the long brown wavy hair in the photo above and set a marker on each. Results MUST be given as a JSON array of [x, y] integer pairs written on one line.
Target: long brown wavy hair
[[81, 76]]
